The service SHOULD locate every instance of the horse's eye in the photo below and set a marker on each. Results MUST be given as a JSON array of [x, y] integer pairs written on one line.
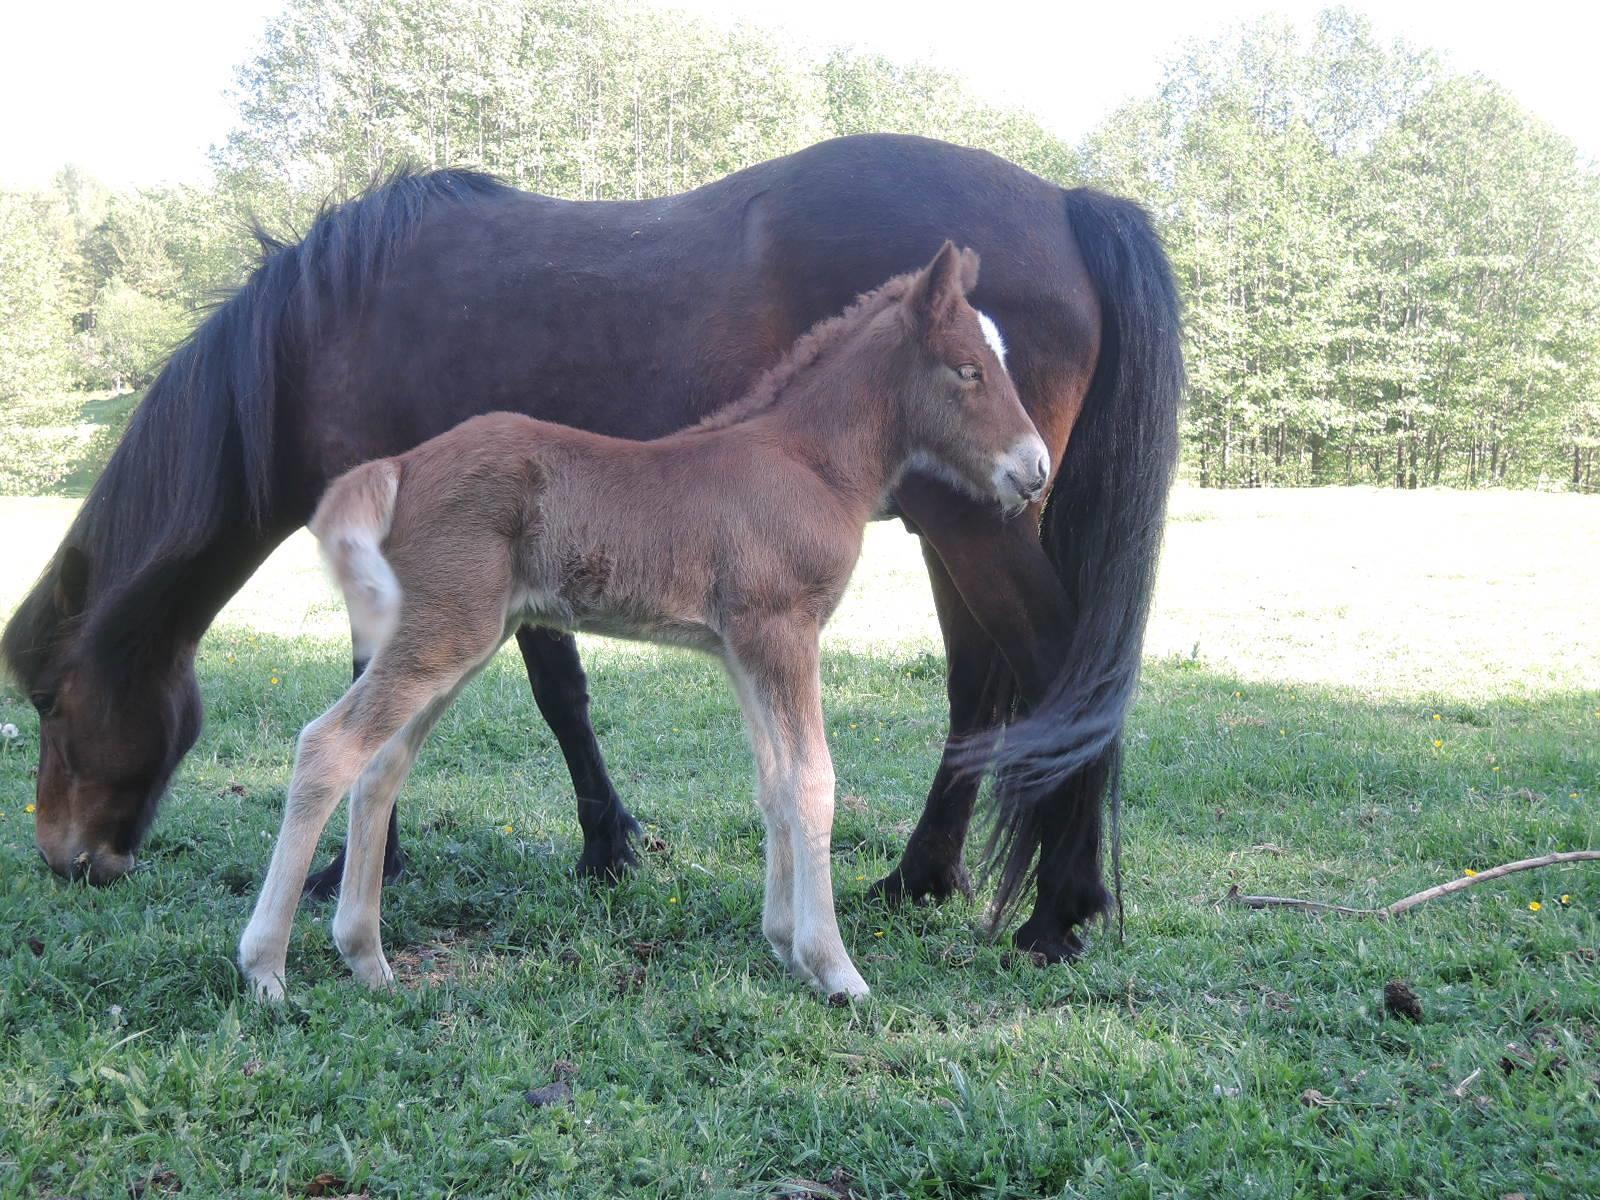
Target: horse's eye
[[44, 702], [969, 372]]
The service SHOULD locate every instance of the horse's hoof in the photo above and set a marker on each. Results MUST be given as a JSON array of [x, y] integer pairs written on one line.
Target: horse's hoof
[[607, 864], [324, 885], [608, 859], [922, 883], [1047, 946]]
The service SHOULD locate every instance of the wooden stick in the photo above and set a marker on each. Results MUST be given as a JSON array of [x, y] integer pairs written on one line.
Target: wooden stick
[[1235, 896], [1466, 881], [1409, 902]]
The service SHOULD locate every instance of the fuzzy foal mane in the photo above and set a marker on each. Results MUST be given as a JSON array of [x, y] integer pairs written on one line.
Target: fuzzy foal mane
[[808, 348]]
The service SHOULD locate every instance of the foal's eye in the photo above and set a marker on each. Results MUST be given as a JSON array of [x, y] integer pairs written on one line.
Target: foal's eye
[[43, 702], [969, 372]]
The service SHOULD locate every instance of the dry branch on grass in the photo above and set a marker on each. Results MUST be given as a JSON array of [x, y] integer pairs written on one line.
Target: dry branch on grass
[[1235, 896]]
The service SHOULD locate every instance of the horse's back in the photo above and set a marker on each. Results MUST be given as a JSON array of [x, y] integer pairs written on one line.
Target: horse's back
[[637, 318]]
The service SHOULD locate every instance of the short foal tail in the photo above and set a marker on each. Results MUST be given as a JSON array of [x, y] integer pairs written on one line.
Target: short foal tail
[[351, 524], [1102, 530]]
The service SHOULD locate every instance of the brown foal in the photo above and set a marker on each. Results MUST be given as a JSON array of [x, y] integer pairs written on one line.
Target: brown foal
[[736, 537]]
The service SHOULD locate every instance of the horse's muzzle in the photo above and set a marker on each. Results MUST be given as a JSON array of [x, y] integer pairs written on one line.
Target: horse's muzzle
[[95, 867]]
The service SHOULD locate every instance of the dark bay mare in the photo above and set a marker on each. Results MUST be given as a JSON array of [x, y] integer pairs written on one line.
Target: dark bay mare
[[436, 297], [735, 537]]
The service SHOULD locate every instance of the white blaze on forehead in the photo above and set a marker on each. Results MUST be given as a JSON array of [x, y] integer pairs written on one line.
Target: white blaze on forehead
[[991, 334]]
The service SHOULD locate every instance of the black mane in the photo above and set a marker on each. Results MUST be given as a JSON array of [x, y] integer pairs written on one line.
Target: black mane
[[198, 453]]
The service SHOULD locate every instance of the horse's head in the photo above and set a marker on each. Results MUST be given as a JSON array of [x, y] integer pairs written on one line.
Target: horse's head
[[963, 421], [110, 729]]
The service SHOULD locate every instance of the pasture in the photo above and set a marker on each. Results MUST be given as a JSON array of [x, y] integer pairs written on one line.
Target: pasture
[[1349, 695]]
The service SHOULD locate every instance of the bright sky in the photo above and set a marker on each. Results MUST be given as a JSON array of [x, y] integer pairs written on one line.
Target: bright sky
[[135, 92]]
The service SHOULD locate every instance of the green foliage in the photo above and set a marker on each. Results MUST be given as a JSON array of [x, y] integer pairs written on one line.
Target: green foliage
[[34, 300], [1169, 1065], [133, 334], [1391, 272]]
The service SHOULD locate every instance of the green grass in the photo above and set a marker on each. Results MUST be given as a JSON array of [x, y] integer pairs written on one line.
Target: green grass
[[1308, 651]]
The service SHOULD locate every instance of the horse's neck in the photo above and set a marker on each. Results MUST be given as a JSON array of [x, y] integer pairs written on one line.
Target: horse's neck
[[172, 601]]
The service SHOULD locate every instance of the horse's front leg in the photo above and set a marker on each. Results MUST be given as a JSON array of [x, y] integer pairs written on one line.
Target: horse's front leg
[[778, 662], [561, 690], [1014, 607], [979, 687]]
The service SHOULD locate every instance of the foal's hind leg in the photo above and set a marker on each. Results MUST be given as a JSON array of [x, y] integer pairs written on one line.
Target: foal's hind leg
[[332, 752], [777, 908], [779, 661], [356, 930], [561, 691], [325, 883]]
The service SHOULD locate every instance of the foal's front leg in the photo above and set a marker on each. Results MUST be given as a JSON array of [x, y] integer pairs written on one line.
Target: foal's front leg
[[779, 662]]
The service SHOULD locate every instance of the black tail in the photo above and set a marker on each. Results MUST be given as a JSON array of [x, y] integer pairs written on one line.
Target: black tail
[[197, 458], [1102, 530]]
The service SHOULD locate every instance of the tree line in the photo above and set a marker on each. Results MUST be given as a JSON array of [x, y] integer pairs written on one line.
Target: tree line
[[1392, 272]]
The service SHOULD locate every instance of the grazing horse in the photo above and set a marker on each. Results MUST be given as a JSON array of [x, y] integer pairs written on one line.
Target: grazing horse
[[735, 537], [437, 297]]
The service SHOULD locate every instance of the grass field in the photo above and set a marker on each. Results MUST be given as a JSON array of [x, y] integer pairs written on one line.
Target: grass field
[[1350, 695]]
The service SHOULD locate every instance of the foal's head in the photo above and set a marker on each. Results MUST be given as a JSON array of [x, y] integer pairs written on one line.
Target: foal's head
[[959, 413]]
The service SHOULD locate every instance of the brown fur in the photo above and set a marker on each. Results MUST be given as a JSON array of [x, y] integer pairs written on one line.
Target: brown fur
[[736, 537]]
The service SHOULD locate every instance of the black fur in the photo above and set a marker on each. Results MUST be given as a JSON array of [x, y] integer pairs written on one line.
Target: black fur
[[1102, 530]]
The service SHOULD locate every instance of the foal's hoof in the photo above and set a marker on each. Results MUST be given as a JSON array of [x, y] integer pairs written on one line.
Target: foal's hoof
[[266, 989], [922, 883]]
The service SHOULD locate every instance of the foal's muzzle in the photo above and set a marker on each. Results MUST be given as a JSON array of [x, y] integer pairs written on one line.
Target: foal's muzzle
[[1021, 474]]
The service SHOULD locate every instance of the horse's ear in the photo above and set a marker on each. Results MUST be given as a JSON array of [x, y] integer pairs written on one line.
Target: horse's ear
[[936, 287], [71, 591]]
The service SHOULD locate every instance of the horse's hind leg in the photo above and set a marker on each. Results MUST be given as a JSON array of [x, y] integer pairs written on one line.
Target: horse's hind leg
[[555, 673], [779, 662]]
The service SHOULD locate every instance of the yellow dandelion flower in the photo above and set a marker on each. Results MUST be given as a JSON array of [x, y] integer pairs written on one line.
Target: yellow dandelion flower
[[1534, 906], [1438, 743], [1572, 795], [1565, 899], [1238, 695], [1283, 733], [27, 808], [1469, 872], [877, 739], [273, 681], [506, 829], [1497, 770], [1437, 717], [861, 878], [672, 899], [852, 724], [879, 933]]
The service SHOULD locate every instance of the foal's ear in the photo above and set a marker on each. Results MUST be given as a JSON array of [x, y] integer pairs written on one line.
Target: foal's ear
[[71, 591], [969, 269], [939, 285]]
